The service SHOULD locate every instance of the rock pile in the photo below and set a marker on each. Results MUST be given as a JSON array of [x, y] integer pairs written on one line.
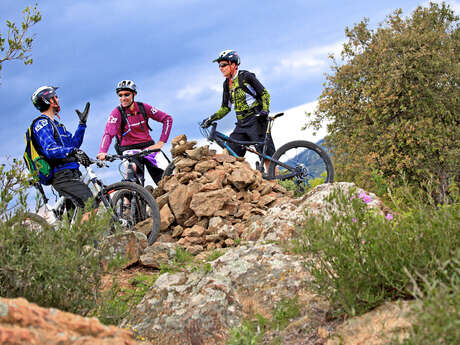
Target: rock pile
[[205, 204]]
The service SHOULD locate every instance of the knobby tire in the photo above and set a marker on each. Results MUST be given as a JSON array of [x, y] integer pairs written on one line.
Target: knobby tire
[[32, 220], [311, 157], [142, 199]]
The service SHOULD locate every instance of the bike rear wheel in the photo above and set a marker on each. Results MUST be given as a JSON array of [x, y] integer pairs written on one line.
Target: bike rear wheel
[[31, 221], [308, 165], [133, 204]]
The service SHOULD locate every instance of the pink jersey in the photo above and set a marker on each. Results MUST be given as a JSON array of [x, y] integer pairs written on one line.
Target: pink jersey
[[136, 130]]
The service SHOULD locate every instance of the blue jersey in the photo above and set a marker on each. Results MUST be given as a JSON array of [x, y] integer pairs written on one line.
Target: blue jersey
[[55, 150]]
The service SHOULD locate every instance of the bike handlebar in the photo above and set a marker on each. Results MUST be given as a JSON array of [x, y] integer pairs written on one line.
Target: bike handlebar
[[111, 158], [209, 133]]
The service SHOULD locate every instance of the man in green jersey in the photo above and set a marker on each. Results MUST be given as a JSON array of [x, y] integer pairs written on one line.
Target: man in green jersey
[[250, 100]]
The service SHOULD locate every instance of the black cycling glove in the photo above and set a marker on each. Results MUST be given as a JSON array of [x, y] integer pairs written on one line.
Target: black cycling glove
[[81, 157], [83, 115], [206, 123]]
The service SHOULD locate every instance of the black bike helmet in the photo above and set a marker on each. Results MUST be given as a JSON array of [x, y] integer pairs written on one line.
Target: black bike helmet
[[228, 55], [41, 97], [126, 85]]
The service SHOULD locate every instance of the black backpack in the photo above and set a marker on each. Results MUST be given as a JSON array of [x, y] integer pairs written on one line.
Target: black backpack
[[241, 78], [124, 121]]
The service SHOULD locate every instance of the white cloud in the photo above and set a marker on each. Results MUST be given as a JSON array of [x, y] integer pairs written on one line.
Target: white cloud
[[307, 61]]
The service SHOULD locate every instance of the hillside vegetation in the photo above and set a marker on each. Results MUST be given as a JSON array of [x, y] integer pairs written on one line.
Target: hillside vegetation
[[392, 102], [297, 270]]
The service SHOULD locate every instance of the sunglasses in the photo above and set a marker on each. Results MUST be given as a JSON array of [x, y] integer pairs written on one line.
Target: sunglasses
[[124, 94], [222, 65]]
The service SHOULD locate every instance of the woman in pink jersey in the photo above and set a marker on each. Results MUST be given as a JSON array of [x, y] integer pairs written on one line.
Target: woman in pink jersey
[[128, 123]]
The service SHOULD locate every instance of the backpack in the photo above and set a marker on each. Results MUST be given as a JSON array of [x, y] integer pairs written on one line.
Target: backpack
[[124, 121], [241, 78], [39, 167]]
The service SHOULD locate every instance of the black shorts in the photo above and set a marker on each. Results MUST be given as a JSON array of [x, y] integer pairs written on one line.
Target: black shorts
[[155, 172], [69, 185], [251, 130]]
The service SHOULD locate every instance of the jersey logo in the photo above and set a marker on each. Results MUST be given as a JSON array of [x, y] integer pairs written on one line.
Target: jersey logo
[[40, 124], [112, 119], [154, 110]]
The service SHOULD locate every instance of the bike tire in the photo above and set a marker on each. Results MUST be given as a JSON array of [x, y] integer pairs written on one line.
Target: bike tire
[[145, 206], [32, 220], [310, 161], [169, 170]]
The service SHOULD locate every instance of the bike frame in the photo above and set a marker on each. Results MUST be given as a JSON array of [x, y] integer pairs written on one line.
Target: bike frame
[[132, 167], [92, 179], [222, 140]]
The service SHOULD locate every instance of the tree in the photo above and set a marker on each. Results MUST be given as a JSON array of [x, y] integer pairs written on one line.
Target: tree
[[18, 44], [392, 102]]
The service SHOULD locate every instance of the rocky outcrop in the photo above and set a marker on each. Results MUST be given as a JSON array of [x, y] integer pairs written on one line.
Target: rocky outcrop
[[24, 323], [200, 306], [210, 198]]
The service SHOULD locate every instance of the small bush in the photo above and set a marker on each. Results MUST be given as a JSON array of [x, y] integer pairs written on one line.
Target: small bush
[[360, 257], [53, 268], [57, 268], [252, 330], [249, 333], [438, 316]]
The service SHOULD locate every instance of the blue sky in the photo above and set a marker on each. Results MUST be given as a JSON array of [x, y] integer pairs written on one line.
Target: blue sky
[[86, 46]]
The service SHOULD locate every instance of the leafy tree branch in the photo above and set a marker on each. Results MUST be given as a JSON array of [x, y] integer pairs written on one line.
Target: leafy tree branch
[[17, 43]]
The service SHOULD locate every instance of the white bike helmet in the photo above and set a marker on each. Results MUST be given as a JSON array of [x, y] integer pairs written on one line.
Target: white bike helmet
[[126, 85]]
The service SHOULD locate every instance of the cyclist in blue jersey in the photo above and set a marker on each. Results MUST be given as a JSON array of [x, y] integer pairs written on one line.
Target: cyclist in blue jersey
[[59, 146]]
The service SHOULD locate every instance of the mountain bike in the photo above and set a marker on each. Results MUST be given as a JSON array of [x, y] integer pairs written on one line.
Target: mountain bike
[[133, 170], [301, 162], [128, 202]]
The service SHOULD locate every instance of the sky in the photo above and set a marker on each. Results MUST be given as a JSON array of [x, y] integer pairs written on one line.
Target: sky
[[87, 46]]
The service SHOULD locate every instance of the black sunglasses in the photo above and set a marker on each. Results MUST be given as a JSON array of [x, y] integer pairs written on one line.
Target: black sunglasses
[[222, 65], [124, 94]]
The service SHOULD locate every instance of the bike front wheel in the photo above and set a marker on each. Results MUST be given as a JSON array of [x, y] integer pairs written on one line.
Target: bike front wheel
[[133, 204], [301, 165]]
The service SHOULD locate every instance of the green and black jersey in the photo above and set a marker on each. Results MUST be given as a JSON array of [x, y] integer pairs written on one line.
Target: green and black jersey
[[247, 95]]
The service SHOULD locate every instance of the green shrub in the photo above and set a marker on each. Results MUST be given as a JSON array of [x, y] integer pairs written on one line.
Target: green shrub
[[361, 257], [54, 268], [252, 330], [249, 333], [290, 185], [57, 268], [438, 315]]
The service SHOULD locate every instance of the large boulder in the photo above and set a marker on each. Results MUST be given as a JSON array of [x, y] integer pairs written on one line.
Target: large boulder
[[201, 306]]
